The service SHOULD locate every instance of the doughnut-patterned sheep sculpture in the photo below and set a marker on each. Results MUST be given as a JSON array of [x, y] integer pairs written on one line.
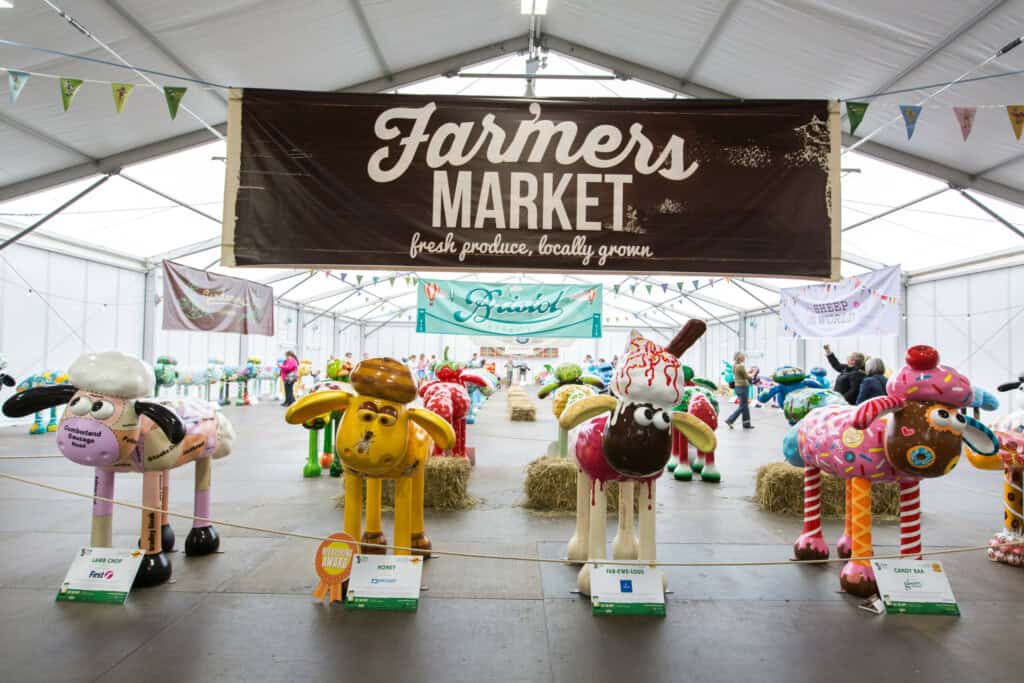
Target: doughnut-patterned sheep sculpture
[[106, 426], [913, 433], [380, 437], [632, 443]]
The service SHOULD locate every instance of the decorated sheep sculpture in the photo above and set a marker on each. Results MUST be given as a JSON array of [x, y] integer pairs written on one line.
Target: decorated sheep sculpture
[[166, 373], [699, 401], [107, 426], [448, 397], [798, 403], [788, 379], [48, 378], [1007, 545], [625, 437], [481, 384], [913, 433], [380, 437], [327, 423]]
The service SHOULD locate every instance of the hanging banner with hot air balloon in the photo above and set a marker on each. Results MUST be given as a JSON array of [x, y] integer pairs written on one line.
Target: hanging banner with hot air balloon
[[508, 310]]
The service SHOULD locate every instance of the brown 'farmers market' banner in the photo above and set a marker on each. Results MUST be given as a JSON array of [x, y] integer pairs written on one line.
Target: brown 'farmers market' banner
[[199, 300], [510, 184]]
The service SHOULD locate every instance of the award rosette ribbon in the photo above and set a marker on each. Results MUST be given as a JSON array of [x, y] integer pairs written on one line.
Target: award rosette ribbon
[[334, 564]]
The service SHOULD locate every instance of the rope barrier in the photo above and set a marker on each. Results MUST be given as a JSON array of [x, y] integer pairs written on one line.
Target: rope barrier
[[487, 556]]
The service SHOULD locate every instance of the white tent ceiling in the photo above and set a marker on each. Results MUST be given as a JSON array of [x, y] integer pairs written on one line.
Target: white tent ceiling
[[764, 48]]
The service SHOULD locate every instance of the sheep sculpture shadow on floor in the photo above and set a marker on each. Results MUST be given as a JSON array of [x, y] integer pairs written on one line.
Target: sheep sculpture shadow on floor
[[380, 437], [106, 426], [632, 444]]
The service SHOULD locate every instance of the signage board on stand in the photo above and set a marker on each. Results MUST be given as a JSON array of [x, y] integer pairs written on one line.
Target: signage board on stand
[[385, 582], [101, 575], [627, 590], [914, 587]]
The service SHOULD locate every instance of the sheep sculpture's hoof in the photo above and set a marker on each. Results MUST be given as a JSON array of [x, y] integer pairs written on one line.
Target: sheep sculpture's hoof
[[377, 538], [844, 547], [683, 472], [858, 579], [422, 545], [202, 540], [155, 569], [311, 470], [811, 546], [166, 538]]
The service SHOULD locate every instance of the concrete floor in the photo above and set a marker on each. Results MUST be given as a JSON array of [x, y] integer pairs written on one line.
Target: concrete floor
[[247, 613]]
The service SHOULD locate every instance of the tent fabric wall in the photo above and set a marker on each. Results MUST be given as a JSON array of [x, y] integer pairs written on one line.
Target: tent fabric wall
[[977, 323], [94, 307]]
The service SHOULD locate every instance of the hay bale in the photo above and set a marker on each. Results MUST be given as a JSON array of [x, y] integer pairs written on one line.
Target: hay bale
[[780, 488], [521, 407], [445, 486], [550, 486]]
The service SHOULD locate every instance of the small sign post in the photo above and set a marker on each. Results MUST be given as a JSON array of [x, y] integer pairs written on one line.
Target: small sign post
[[914, 587], [101, 575], [385, 582], [627, 589]]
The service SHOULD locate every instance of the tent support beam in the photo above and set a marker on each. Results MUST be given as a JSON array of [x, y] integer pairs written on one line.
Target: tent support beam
[[364, 26], [984, 207], [710, 39], [161, 46], [47, 139], [115, 162], [169, 198], [627, 69], [895, 209], [14, 238]]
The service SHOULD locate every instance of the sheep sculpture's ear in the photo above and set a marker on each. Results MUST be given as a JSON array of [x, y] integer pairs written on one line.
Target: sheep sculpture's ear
[[316, 404], [165, 418], [578, 412], [40, 398]]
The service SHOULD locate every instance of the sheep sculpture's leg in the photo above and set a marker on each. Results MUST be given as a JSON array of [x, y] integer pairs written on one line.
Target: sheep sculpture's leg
[[673, 460], [403, 515], [844, 546], [910, 519], [624, 545], [353, 506], [420, 541], [156, 568], [374, 524], [648, 551], [51, 426], [857, 577], [683, 471], [709, 473], [166, 531], [1013, 515], [102, 511], [312, 467], [37, 424], [203, 538], [578, 544], [336, 467], [811, 544], [598, 528]]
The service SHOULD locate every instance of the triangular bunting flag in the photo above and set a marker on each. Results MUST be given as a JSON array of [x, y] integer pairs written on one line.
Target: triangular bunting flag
[[16, 80], [632, 288], [911, 113], [664, 287], [343, 276], [696, 284], [679, 286], [68, 88], [391, 281], [359, 279], [1016, 114], [615, 288], [173, 95], [965, 117], [121, 93], [855, 112], [375, 279], [648, 287]]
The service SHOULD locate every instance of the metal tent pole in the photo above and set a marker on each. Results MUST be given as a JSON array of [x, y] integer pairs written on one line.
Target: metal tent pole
[[14, 238]]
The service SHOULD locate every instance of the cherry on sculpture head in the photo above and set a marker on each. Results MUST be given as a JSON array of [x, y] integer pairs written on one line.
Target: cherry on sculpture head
[[922, 357]]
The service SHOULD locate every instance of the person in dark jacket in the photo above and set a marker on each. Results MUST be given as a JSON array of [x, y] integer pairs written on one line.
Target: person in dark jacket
[[874, 384], [850, 375]]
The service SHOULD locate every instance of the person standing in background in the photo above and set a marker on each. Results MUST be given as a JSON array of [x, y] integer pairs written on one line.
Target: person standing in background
[[741, 385], [289, 375], [508, 372], [874, 384], [421, 368], [850, 375]]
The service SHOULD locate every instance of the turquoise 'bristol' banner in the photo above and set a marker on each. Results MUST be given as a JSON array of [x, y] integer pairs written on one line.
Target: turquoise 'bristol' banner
[[508, 310]]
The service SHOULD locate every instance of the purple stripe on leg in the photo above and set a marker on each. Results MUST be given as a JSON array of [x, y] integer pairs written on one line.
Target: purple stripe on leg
[[103, 485], [201, 509]]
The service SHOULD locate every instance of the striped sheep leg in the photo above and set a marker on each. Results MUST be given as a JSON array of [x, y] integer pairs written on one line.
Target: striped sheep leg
[[844, 546], [857, 577], [910, 519], [811, 544], [709, 473], [683, 471]]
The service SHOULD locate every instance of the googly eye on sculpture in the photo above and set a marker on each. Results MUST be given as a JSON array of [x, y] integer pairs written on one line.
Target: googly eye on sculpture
[[380, 437], [107, 426], [913, 433], [627, 437]]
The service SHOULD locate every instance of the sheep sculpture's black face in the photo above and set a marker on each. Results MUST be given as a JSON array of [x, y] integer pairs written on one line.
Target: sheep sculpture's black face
[[638, 439]]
